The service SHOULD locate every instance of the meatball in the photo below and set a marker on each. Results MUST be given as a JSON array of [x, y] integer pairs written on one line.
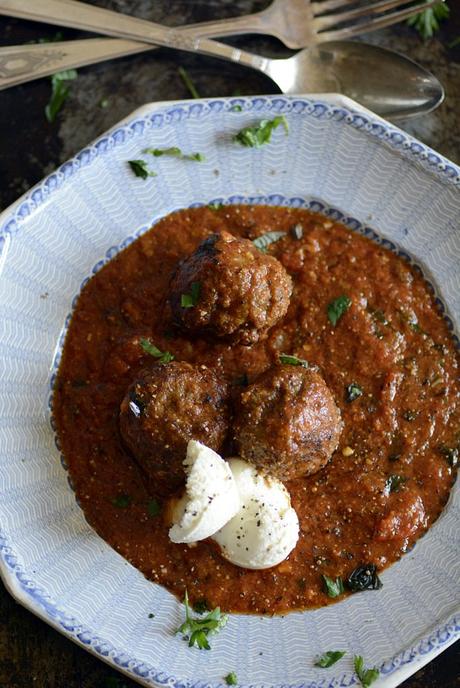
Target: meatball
[[287, 422], [164, 408], [232, 290]]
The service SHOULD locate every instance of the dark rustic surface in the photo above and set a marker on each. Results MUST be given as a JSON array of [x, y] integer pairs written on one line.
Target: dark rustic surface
[[31, 653]]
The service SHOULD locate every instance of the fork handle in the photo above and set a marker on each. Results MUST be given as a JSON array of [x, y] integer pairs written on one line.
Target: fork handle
[[79, 15]]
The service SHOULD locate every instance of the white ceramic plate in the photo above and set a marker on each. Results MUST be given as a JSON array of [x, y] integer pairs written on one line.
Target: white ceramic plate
[[338, 158]]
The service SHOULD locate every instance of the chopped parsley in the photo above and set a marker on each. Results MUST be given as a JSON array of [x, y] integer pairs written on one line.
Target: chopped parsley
[[352, 392], [258, 135], [428, 21], [264, 240], [364, 577], [153, 508], [197, 630], [394, 483], [329, 658], [188, 82], [122, 501], [231, 679], [366, 676], [190, 300], [293, 360], [59, 92], [337, 308], [332, 587], [175, 152], [150, 348], [140, 169]]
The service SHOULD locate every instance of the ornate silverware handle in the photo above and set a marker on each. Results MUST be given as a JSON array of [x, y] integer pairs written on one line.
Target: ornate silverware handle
[[79, 15]]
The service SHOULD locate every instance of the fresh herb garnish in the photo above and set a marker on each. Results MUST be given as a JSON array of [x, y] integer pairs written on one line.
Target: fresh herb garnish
[[175, 152], [293, 360], [364, 578], [140, 169], [332, 587], [59, 92], [352, 392], [153, 508], [296, 231], [122, 501], [264, 240], [329, 658], [198, 630], [188, 82], [337, 308], [394, 483], [428, 21], [201, 606], [150, 348], [190, 300], [231, 679], [258, 135], [236, 108], [366, 676], [410, 415], [451, 454]]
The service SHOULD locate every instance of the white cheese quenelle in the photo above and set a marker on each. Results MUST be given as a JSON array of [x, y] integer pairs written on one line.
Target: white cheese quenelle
[[211, 497], [266, 528]]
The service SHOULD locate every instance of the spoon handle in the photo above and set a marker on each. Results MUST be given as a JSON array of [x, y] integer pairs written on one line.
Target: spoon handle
[[79, 15]]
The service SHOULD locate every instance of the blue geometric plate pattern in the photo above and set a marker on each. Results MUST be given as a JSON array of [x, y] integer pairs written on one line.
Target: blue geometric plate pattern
[[337, 158]]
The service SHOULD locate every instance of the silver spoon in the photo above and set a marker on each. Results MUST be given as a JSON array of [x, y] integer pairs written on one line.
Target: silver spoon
[[393, 86]]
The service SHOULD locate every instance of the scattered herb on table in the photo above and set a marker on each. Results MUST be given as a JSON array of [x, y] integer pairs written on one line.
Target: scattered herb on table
[[231, 679], [175, 152], [337, 308], [332, 587], [394, 483], [293, 360], [329, 658], [352, 392], [122, 501], [104, 103], [140, 169], [364, 577], [190, 300], [261, 133], [263, 241], [150, 348], [153, 507], [366, 676], [188, 82], [59, 92], [428, 21], [197, 630]]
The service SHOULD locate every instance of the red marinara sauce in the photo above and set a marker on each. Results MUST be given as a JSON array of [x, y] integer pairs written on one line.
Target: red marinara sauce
[[402, 432]]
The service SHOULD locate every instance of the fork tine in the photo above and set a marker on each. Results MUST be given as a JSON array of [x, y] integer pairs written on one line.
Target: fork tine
[[321, 23], [375, 23], [327, 5]]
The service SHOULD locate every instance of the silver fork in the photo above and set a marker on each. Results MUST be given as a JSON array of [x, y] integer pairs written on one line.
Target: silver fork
[[311, 22]]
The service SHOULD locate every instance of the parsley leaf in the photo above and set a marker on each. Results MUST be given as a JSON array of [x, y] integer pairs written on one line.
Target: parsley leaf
[[366, 676], [264, 240], [197, 630], [337, 308], [428, 21], [256, 136], [174, 152], [394, 483], [59, 92], [190, 300], [188, 82], [293, 360], [329, 658], [140, 169], [150, 348], [122, 501], [353, 391], [231, 679], [332, 587], [153, 507]]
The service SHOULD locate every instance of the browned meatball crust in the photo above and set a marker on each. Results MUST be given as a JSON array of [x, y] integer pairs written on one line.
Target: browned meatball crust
[[164, 408], [287, 422], [241, 294]]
